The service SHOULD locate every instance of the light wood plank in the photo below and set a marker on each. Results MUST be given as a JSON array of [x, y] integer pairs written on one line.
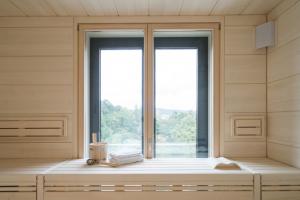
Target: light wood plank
[[195, 7], [284, 153], [241, 40], [67, 7], [245, 69], [36, 99], [132, 7], [164, 7], [36, 41], [244, 149], [34, 7], [281, 8], [39, 22], [150, 195], [18, 196], [99, 7], [245, 97], [284, 127], [36, 70], [261, 7], [9, 9], [36, 150], [284, 95], [244, 20], [284, 61], [230, 7], [279, 195], [288, 27]]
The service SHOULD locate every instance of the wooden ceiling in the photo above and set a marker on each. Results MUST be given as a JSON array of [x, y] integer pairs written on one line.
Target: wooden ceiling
[[134, 7]]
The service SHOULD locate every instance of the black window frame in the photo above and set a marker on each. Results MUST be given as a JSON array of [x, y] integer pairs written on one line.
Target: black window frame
[[96, 45], [201, 44]]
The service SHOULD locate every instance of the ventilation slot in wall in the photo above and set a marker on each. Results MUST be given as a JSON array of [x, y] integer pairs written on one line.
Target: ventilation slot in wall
[[50, 127]]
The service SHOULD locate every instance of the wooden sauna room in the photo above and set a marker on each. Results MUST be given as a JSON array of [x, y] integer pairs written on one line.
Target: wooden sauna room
[[149, 99]]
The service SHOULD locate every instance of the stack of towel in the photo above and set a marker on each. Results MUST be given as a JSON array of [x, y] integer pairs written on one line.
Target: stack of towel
[[126, 158]]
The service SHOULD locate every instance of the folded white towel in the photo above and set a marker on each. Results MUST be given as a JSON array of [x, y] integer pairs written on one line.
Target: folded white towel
[[122, 159]]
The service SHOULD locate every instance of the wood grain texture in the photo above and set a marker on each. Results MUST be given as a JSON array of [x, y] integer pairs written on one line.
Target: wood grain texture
[[164, 7], [245, 98], [18, 196], [284, 61], [241, 40], [9, 9], [36, 41], [284, 128], [34, 7], [230, 7], [245, 149], [99, 7], [288, 27], [245, 69], [36, 99], [39, 22], [281, 8], [284, 95], [244, 20], [260, 7], [36, 70], [150, 195], [132, 7], [67, 7], [195, 7], [36, 150], [279, 195]]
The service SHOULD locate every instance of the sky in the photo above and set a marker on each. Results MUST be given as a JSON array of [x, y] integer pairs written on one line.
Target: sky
[[176, 78]]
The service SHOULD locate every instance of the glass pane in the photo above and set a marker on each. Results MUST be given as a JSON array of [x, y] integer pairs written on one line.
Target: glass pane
[[176, 102], [121, 99]]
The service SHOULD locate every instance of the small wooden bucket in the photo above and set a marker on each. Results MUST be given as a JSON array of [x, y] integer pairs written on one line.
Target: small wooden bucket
[[98, 151]]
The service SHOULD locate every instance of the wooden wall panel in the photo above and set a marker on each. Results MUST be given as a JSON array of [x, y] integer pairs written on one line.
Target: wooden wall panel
[[241, 40], [245, 84], [284, 95], [36, 79], [36, 99], [245, 98], [279, 195], [245, 69], [284, 85], [36, 70], [284, 127], [36, 41]]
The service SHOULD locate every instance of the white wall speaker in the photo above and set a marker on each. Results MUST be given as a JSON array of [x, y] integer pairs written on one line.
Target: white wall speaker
[[265, 35]]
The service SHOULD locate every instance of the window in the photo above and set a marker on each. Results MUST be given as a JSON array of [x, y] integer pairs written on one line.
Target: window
[[181, 96], [150, 88]]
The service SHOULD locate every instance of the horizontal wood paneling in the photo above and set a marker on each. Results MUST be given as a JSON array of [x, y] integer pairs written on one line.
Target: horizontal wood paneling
[[36, 99], [36, 41], [288, 25], [284, 61], [244, 20], [279, 195], [36, 70], [284, 127], [284, 153], [245, 149], [245, 69], [284, 95], [36, 150], [18, 196], [245, 97], [39, 22], [241, 40]]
